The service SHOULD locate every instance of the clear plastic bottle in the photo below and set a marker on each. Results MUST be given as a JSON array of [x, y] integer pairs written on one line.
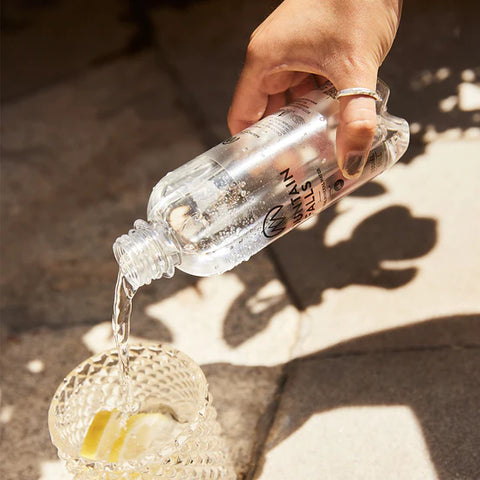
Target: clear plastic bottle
[[227, 204]]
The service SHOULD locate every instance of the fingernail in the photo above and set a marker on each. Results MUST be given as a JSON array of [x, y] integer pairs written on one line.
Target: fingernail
[[353, 164]]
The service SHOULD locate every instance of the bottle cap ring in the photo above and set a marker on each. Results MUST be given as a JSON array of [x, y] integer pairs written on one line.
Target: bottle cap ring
[[349, 92]]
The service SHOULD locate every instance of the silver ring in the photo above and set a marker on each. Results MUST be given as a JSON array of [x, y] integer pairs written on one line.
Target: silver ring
[[349, 92]]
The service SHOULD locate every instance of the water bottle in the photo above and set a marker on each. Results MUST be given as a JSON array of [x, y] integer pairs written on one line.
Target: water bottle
[[227, 204]]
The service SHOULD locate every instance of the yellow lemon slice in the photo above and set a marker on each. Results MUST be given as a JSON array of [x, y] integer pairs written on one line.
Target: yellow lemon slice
[[105, 428], [111, 438]]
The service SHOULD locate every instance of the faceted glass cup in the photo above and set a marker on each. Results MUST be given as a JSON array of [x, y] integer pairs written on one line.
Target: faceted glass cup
[[159, 374]]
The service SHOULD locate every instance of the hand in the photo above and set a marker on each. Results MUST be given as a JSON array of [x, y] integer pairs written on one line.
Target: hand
[[344, 41]]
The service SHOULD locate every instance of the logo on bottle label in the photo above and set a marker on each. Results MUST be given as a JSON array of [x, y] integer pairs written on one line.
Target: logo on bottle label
[[337, 186], [274, 223]]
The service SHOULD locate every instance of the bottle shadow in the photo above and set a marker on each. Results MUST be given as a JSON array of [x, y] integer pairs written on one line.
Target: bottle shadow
[[428, 367], [308, 266]]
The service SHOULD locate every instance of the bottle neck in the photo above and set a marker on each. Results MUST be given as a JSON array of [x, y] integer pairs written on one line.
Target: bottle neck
[[148, 252]]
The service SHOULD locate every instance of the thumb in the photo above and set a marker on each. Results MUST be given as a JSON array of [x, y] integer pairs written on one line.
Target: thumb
[[355, 131]]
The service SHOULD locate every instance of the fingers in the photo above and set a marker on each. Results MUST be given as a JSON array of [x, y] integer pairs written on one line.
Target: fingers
[[259, 93], [254, 99], [275, 103], [356, 129], [301, 84], [248, 104], [305, 83]]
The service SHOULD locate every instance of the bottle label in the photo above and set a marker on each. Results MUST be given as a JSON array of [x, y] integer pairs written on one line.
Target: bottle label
[[324, 188], [290, 117]]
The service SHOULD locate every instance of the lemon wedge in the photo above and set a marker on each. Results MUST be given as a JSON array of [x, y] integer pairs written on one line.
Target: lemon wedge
[[112, 438], [106, 426]]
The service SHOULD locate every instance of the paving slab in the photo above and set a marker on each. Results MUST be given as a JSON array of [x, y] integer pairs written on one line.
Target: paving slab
[[79, 161], [429, 61], [32, 366], [245, 398], [45, 42], [205, 44], [404, 255], [409, 414]]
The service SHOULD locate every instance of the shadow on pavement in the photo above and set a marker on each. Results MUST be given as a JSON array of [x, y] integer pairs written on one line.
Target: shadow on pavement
[[431, 57], [309, 266], [391, 368]]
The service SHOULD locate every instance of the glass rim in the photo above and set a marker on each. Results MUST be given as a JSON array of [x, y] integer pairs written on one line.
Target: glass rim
[[65, 449]]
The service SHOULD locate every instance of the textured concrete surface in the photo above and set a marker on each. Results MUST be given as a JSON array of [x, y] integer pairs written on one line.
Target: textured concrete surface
[[45, 42], [349, 349], [212, 40], [386, 415], [93, 148], [406, 255]]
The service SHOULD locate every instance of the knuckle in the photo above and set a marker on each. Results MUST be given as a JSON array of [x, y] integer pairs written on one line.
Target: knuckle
[[352, 63], [255, 49], [361, 128], [264, 49], [357, 67]]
